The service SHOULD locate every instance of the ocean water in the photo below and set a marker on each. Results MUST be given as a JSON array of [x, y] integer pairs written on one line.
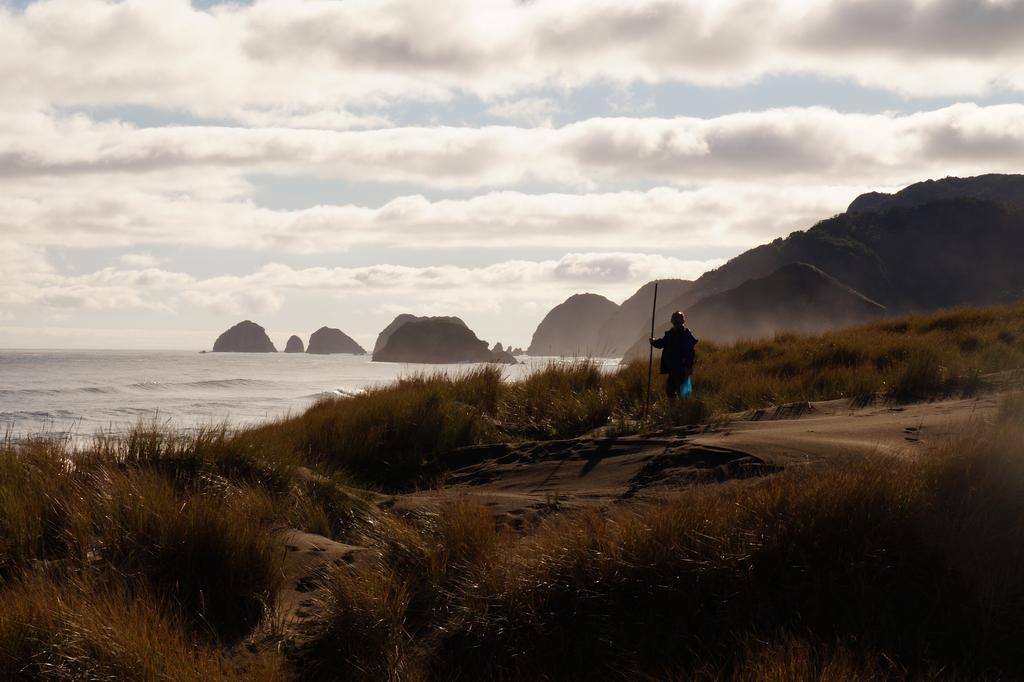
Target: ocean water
[[76, 393]]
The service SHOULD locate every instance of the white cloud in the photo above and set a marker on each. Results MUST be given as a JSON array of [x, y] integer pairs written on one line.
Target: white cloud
[[237, 301], [316, 87], [265, 290], [795, 143], [139, 260], [617, 274], [722, 216], [297, 58], [73, 298], [730, 181], [21, 264], [502, 300]]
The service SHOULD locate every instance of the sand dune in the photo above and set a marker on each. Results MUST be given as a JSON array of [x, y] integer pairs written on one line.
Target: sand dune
[[308, 560], [813, 431], [522, 483]]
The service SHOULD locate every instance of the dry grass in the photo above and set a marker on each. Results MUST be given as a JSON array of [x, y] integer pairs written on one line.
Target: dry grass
[[363, 634], [143, 557], [210, 553], [915, 358], [74, 627], [395, 436], [205, 545], [392, 434], [564, 400], [867, 569], [380, 619]]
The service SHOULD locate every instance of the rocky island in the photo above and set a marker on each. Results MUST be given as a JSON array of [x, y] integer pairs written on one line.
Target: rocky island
[[244, 337], [571, 327], [438, 341], [294, 345], [385, 334], [328, 340]]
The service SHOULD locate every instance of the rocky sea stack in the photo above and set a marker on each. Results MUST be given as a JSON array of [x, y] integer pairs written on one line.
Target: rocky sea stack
[[327, 340], [294, 345], [437, 341], [571, 327], [244, 337], [385, 334]]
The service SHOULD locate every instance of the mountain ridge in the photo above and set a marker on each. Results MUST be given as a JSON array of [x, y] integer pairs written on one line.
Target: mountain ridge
[[933, 244]]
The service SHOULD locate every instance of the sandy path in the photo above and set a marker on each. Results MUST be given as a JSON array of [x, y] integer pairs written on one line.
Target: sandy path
[[522, 482], [811, 431], [308, 560]]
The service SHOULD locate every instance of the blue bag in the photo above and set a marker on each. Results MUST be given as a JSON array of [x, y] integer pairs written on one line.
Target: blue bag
[[686, 388]]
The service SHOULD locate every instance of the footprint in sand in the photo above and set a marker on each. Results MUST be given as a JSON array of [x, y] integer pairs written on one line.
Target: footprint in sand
[[305, 584]]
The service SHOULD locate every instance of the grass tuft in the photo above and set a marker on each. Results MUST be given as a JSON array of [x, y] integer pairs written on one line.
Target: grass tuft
[[70, 627]]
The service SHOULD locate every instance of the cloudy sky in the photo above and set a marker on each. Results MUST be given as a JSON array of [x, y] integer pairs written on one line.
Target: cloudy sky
[[169, 168]]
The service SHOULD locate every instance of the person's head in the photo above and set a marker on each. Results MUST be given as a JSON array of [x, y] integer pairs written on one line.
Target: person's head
[[678, 319]]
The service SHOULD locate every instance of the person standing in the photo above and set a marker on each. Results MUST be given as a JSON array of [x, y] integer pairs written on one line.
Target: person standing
[[677, 354]]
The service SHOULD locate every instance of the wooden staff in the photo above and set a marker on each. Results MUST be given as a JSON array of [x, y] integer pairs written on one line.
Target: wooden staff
[[650, 357]]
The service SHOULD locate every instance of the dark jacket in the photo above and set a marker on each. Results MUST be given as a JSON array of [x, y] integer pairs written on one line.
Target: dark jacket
[[677, 351]]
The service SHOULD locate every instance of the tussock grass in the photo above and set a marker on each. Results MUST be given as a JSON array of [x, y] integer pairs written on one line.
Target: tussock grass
[[207, 454], [204, 546], [210, 553], [557, 400], [363, 634], [915, 358], [327, 506], [395, 436], [72, 627], [393, 433], [380, 620], [869, 568], [38, 516], [143, 556]]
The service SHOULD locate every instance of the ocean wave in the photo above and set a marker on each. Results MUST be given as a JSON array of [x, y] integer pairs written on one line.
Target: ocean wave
[[148, 386], [76, 390], [230, 383], [119, 412], [142, 386], [333, 393], [203, 384], [38, 416]]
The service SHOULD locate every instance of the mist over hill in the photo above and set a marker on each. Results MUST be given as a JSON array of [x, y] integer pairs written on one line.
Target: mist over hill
[[619, 331], [570, 328], [801, 295], [935, 244]]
